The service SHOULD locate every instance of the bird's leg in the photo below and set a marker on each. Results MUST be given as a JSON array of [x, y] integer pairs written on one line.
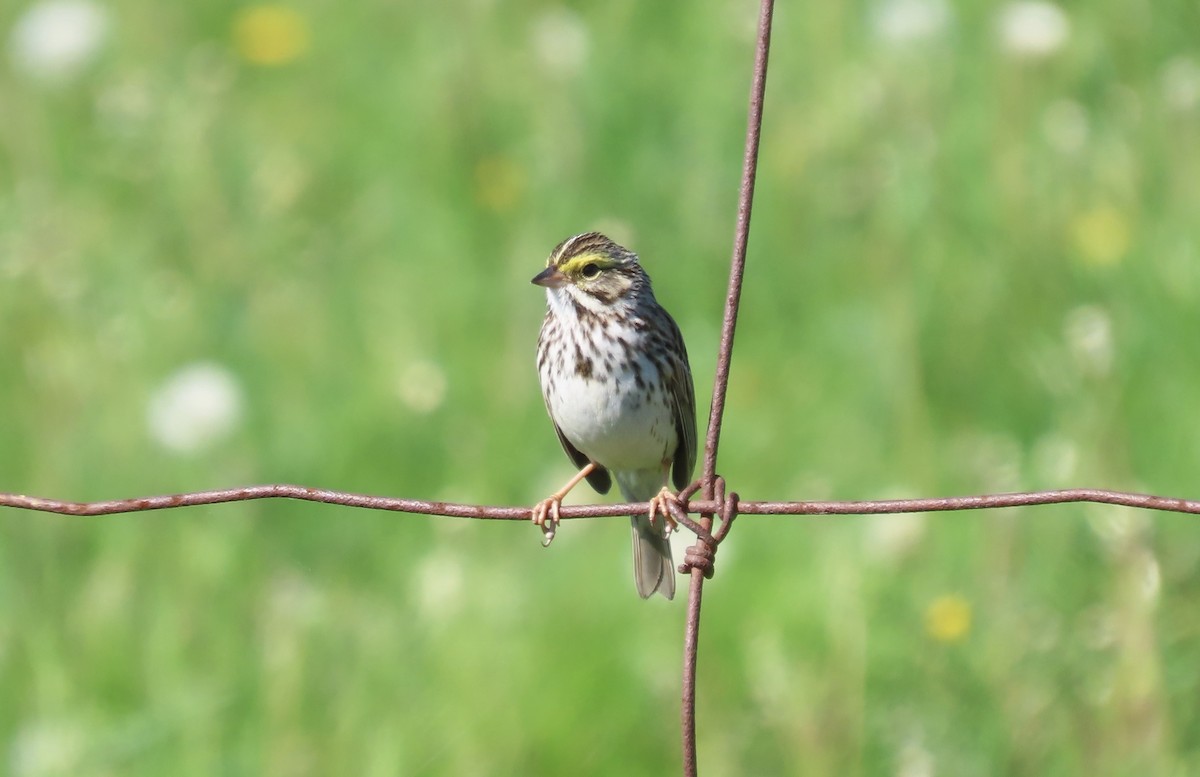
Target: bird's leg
[[545, 512], [661, 503]]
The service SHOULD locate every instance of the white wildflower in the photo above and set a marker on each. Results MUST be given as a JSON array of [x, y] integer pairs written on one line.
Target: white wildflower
[[890, 538], [1033, 29], [914, 760], [1181, 84], [1117, 527], [1149, 577], [560, 40], [195, 408], [438, 584], [1088, 332], [422, 386], [41, 748], [56, 39], [909, 21], [1055, 460]]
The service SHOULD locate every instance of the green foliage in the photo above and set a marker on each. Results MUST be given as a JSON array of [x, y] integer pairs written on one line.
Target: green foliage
[[970, 271]]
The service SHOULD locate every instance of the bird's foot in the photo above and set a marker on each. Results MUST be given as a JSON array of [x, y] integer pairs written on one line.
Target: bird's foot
[[662, 504], [545, 513], [545, 517]]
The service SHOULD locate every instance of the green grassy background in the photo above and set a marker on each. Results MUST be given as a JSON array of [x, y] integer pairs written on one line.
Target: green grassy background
[[969, 272]]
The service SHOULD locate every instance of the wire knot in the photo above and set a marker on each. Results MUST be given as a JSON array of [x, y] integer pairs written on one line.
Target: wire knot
[[703, 554]]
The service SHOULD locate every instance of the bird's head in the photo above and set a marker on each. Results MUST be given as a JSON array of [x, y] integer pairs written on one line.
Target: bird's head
[[593, 271]]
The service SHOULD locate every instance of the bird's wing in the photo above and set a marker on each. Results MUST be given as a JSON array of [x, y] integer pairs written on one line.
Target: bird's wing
[[598, 478], [684, 407]]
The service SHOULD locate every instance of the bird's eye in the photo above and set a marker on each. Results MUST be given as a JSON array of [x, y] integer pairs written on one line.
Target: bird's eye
[[590, 270]]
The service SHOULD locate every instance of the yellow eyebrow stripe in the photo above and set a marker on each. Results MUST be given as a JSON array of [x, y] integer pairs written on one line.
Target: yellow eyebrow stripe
[[576, 263]]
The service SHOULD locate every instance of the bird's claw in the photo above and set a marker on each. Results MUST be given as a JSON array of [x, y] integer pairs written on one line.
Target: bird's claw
[[546, 517], [663, 504]]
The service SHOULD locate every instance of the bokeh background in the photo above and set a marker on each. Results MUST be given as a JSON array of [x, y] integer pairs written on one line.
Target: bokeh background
[[292, 243]]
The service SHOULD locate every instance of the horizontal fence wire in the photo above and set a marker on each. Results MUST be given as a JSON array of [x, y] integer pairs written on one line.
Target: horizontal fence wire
[[695, 506]]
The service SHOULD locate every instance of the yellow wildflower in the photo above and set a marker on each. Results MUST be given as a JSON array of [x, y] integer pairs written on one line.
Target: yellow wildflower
[[948, 618], [1101, 235], [270, 34]]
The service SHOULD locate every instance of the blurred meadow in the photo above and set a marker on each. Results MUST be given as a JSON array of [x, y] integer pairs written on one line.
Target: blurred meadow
[[292, 243]]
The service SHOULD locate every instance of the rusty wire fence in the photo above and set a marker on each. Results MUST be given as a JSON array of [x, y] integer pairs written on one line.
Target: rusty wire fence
[[709, 497]]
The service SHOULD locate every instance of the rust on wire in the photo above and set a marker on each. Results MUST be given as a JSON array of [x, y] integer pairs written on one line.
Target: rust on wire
[[703, 554], [987, 501], [731, 503], [741, 239], [733, 296], [307, 494]]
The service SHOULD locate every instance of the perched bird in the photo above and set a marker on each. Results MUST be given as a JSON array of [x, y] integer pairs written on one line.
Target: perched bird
[[617, 385]]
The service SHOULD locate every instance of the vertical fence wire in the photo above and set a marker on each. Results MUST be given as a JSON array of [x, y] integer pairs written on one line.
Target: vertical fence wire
[[721, 381]]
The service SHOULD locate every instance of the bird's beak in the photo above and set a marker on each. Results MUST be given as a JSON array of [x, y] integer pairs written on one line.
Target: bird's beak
[[550, 277]]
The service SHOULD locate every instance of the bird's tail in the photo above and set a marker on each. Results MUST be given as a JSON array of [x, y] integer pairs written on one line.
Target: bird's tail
[[653, 569]]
